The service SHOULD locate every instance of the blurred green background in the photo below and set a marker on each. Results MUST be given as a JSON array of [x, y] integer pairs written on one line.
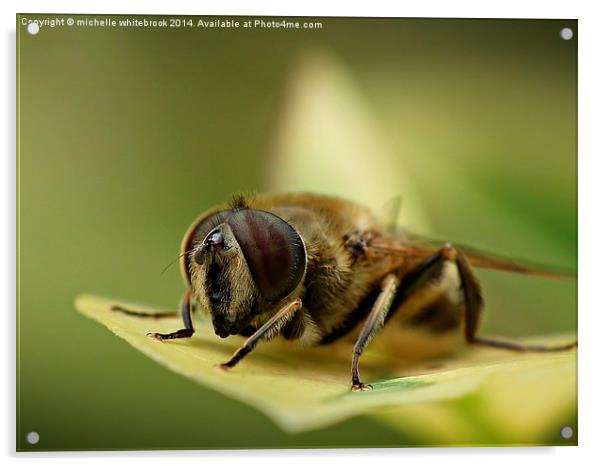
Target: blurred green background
[[125, 135]]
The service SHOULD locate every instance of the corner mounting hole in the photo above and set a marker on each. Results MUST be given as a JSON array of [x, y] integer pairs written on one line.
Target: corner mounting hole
[[566, 432], [32, 438], [566, 33], [33, 28]]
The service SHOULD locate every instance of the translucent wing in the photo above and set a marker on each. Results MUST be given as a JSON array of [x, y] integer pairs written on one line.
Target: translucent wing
[[421, 247]]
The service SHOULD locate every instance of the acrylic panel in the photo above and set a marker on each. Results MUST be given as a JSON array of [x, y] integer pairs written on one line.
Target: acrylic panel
[[431, 234]]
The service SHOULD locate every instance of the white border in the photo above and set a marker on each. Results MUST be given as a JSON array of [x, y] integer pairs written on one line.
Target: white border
[[440, 8], [590, 234]]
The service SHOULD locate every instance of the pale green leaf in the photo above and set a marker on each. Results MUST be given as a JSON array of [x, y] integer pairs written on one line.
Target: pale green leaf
[[520, 396]]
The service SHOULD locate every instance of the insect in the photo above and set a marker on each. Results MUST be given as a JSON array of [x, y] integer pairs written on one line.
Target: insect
[[316, 269]]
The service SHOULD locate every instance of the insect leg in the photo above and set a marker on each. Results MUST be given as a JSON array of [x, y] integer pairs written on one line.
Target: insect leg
[[510, 345], [188, 329], [373, 324], [472, 308], [131, 312], [274, 324], [394, 295], [155, 315]]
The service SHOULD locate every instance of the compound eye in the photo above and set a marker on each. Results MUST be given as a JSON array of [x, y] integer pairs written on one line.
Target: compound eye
[[273, 250]]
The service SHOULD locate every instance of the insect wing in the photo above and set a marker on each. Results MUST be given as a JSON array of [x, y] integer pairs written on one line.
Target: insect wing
[[420, 248]]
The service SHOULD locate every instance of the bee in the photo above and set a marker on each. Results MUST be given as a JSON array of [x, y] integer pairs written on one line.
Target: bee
[[315, 269]]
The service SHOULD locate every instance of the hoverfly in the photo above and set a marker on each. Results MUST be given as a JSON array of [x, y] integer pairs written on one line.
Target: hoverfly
[[316, 269]]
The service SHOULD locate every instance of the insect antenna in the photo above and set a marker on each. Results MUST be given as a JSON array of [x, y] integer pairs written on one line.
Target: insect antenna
[[175, 260]]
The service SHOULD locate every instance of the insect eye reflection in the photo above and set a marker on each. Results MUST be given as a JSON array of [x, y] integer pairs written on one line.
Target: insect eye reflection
[[214, 242], [216, 238]]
